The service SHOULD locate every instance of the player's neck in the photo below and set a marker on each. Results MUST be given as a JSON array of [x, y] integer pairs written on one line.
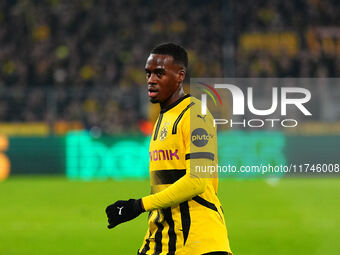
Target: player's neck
[[173, 98]]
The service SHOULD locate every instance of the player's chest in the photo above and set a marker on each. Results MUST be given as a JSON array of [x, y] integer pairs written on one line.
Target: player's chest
[[167, 132]]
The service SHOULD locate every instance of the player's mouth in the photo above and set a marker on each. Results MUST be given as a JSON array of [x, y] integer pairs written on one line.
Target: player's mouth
[[153, 92]]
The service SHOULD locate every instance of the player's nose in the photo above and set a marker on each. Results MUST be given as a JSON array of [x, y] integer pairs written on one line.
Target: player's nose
[[152, 79]]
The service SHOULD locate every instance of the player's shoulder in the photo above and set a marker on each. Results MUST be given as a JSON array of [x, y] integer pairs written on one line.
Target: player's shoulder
[[192, 103], [196, 106], [195, 111], [195, 101]]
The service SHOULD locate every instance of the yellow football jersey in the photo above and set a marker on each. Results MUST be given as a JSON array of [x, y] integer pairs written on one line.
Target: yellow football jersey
[[191, 221]]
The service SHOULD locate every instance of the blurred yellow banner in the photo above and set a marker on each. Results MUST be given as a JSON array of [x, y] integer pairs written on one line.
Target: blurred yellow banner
[[276, 43], [315, 128], [24, 129], [63, 127], [5, 164]]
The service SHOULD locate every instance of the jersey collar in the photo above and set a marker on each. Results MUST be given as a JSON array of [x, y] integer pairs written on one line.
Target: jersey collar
[[175, 103]]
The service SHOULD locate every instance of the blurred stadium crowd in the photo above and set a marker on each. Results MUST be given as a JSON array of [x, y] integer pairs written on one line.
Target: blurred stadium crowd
[[83, 60], [287, 38]]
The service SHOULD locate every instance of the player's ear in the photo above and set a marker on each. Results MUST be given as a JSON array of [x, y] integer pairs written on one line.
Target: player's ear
[[181, 75]]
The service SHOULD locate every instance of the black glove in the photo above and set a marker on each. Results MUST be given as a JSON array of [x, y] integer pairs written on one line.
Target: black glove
[[122, 211]]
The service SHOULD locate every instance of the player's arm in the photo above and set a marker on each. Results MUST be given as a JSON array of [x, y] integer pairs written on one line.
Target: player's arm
[[183, 189], [190, 185]]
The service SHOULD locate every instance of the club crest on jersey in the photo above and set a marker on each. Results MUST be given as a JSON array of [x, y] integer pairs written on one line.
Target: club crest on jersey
[[164, 131]]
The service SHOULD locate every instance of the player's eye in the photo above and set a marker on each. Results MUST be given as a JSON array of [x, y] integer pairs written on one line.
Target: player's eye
[[147, 74], [159, 74]]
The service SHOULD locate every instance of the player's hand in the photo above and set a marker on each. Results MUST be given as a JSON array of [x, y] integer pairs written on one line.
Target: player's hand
[[122, 211]]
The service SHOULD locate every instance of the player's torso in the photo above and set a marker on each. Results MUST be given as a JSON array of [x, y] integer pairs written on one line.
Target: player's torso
[[167, 147]]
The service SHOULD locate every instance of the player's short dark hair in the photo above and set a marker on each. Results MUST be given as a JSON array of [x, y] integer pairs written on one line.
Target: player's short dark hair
[[179, 54]]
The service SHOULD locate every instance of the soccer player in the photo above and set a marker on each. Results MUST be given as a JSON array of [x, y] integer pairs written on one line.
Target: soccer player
[[185, 215]]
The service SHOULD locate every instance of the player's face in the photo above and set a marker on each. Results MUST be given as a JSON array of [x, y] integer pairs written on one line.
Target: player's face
[[163, 77]]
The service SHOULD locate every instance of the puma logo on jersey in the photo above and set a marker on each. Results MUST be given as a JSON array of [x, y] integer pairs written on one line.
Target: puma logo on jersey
[[163, 155], [120, 210], [202, 117]]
